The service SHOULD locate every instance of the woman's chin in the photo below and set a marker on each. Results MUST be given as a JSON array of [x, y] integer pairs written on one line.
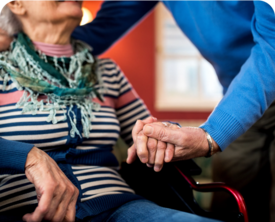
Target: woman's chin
[[71, 8], [72, 14]]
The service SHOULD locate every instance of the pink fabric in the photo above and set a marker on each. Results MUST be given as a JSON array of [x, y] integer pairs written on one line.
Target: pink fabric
[[12, 97], [54, 50], [126, 98], [107, 102]]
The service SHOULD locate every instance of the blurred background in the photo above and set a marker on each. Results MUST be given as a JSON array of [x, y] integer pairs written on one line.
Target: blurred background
[[168, 73]]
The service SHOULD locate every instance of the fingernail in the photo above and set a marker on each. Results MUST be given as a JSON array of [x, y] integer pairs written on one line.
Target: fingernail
[[149, 165], [156, 168], [154, 118], [148, 129]]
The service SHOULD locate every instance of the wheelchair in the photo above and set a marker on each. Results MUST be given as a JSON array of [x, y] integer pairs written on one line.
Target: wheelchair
[[173, 188]]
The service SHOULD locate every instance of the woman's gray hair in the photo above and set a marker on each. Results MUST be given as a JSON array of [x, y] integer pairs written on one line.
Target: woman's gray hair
[[9, 22]]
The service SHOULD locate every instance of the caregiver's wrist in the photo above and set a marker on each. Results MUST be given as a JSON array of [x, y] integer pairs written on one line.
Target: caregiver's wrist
[[213, 147], [216, 147]]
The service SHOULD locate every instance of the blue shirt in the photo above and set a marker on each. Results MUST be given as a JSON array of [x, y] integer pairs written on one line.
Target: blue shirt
[[236, 37]]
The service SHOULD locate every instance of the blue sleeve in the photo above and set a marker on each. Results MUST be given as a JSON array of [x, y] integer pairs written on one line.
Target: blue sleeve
[[13, 156], [113, 20], [253, 89]]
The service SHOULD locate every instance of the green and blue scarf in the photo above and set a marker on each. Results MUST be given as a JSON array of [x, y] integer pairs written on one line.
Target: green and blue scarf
[[66, 82]]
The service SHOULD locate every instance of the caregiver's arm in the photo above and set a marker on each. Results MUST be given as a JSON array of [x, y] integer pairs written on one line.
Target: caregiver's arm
[[113, 20], [249, 95], [252, 91]]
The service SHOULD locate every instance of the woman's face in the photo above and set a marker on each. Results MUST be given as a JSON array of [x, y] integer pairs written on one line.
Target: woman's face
[[53, 11]]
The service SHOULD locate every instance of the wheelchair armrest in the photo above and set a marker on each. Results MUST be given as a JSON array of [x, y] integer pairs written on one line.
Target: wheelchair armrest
[[210, 187]]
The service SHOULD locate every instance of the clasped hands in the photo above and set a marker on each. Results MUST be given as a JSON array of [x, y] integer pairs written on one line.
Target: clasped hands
[[156, 143]]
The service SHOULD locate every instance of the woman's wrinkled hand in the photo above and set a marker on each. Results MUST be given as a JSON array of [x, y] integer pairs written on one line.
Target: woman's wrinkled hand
[[5, 40], [56, 194]]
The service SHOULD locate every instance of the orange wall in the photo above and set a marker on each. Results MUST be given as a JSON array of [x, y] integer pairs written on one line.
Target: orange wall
[[135, 54]]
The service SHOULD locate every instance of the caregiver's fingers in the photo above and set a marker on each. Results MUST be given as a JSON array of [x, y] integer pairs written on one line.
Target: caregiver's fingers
[[164, 134], [132, 154], [141, 147], [139, 126], [159, 160]]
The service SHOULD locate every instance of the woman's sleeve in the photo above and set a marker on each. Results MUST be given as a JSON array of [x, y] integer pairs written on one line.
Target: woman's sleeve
[[13, 156], [112, 21], [129, 108], [253, 89]]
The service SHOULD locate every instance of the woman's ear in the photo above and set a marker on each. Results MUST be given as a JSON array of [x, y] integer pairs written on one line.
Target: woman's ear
[[17, 7]]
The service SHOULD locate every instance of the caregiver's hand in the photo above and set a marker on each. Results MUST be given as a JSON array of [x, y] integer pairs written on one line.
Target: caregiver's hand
[[56, 194], [5, 41], [190, 142]]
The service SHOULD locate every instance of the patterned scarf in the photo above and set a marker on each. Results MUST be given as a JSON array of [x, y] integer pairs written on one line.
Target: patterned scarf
[[65, 81]]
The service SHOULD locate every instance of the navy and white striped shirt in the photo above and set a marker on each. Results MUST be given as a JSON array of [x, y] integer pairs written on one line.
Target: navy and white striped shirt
[[88, 163]]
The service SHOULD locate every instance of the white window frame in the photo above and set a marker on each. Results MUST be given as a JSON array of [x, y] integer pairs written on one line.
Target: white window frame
[[176, 102]]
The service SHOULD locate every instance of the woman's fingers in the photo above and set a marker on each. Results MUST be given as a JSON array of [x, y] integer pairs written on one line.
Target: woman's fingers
[[55, 190], [61, 210], [59, 194], [139, 126], [70, 214], [152, 149], [169, 152], [132, 154], [68, 197], [132, 151], [53, 207], [159, 160], [141, 146], [42, 208]]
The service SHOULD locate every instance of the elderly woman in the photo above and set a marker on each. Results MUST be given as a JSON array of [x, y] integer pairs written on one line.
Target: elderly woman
[[61, 111]]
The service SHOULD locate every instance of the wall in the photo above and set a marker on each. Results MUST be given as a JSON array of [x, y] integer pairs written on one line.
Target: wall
[[135, 54]]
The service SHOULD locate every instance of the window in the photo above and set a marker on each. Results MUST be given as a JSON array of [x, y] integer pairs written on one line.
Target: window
[[185, 80]]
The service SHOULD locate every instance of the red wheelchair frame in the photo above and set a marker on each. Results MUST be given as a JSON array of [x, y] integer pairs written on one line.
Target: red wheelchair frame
[[212, 187], [173, 188]]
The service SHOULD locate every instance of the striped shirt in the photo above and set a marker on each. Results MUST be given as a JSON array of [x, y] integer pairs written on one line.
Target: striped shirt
[[87, 162]]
